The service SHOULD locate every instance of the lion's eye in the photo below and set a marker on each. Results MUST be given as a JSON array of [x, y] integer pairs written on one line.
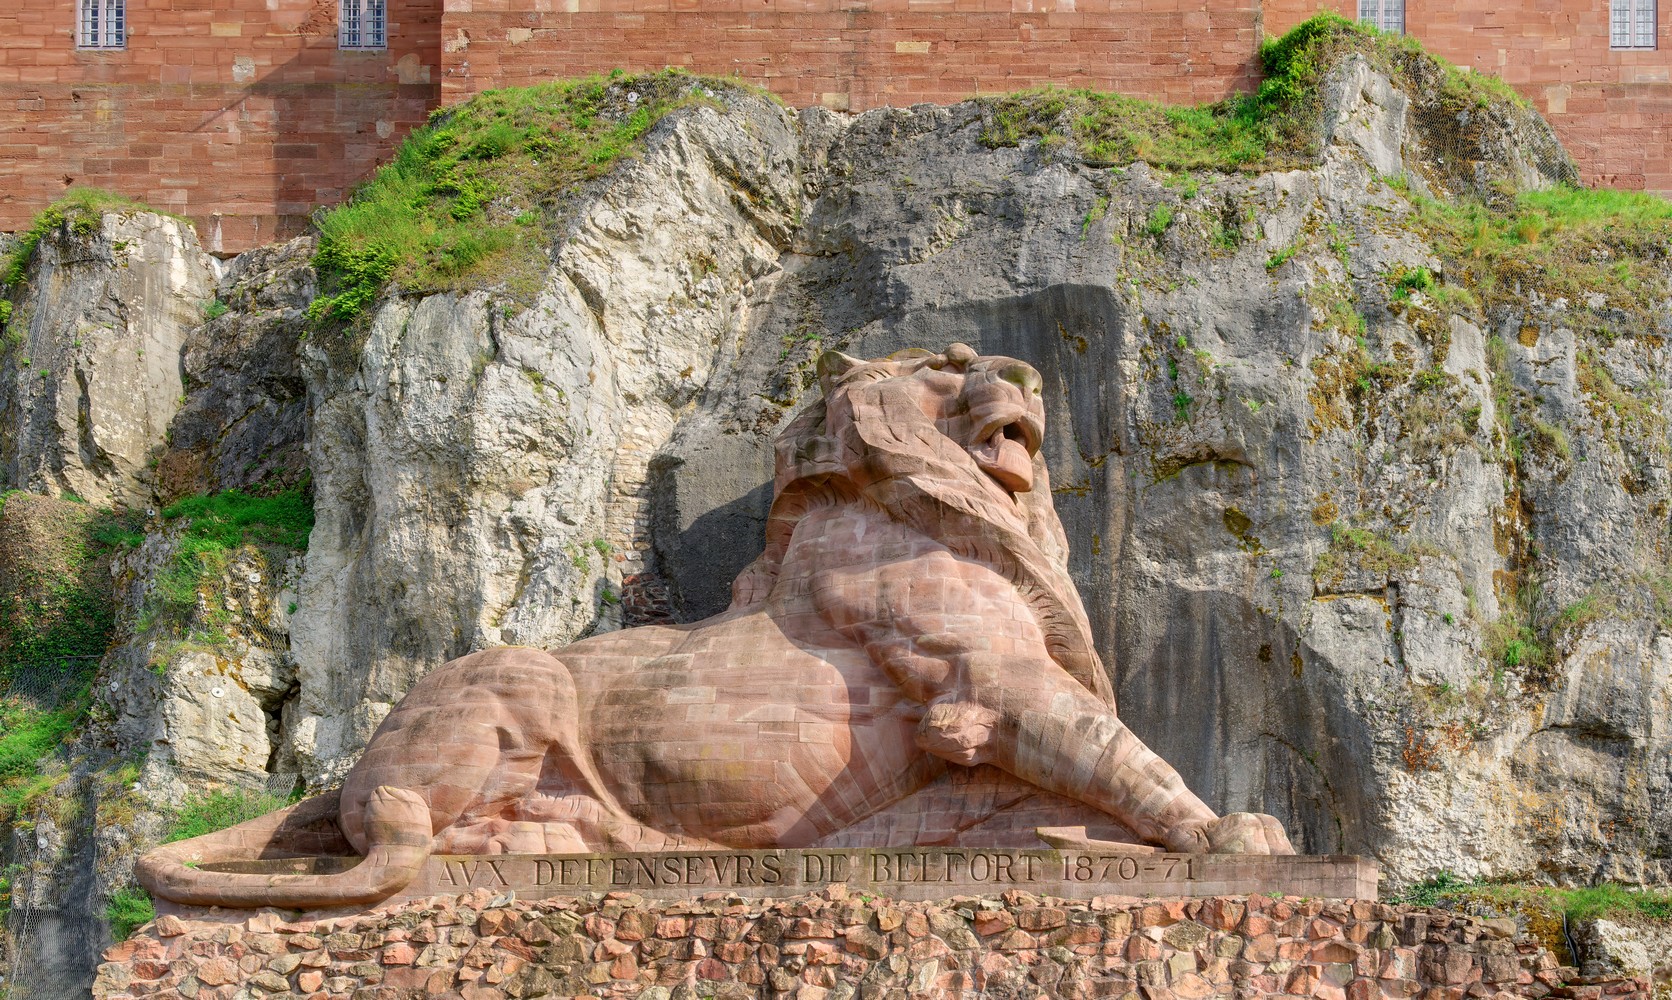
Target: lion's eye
[[1022, 377]]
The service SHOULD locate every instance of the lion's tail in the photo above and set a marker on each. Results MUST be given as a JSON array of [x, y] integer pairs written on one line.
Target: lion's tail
[[400, 843]]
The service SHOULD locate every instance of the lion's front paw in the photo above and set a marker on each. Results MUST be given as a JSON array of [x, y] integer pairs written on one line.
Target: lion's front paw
[[1247, 833], [958, 731]]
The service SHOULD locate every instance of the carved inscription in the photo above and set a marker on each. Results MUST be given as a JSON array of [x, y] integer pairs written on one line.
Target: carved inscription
[[709, 870]]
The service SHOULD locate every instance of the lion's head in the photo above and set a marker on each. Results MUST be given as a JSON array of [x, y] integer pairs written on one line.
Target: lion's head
[[950, 444]]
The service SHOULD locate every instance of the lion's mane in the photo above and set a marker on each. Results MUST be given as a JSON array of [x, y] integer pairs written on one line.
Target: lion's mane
[[921, 478]]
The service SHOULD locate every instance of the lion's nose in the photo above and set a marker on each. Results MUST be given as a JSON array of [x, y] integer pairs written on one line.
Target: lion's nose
[[1022, 377]]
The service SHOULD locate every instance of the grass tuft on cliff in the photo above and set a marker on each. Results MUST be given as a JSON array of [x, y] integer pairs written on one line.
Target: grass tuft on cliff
[[201, 814], [81, 208], [212, 529], [1582, 903], [127, 911], [1565, 241], [1275, 128], [471, 199], [57, 614]]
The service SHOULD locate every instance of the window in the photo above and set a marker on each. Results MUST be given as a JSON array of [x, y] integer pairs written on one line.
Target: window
[[1631, 24], [104, 24], [1388, 15], [363, 24]]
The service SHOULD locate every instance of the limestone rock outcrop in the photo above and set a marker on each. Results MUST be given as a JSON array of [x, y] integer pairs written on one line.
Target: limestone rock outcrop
[[91, 378], [243, 417], [482, 469]]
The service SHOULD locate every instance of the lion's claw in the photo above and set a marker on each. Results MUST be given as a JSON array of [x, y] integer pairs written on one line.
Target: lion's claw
[[1234, 833], [1247, 833]]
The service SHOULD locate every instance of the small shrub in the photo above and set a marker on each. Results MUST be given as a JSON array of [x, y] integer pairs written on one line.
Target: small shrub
[[1408, 280], [1282, 256], [1512, 642], [1094, 215], [1160, 218], [127, 911]]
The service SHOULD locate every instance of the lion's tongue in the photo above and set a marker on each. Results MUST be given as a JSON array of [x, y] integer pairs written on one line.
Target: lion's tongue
[[1008, 462]]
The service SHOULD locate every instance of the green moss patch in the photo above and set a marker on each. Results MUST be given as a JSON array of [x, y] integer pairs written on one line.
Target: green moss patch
[[1277, 127], [471, 199], [1583, 244], [274, 522], [1608, 900], [80, 208]]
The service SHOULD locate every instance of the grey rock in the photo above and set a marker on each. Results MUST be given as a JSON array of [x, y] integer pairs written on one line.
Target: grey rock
[[1624, 947], [483, 470], [244, 415], [90, 372]]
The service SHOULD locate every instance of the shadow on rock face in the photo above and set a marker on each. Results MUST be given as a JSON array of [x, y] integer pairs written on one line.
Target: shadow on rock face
[[702, 539], [1248, 713]]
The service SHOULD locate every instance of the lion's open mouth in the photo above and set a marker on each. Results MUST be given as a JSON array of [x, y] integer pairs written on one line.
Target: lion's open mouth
[[1005, 450]]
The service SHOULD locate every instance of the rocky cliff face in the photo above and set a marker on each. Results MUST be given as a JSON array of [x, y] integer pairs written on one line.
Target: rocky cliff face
[[1371, 525], [92, 373]]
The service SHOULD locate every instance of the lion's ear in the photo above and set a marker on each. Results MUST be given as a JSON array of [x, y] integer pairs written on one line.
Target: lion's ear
[[833, 365]]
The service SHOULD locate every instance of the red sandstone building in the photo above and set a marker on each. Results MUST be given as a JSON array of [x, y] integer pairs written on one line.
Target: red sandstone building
[[247, 114]]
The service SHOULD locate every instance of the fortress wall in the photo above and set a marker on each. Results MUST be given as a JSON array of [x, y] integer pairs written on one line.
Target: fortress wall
[[240, 114], [859, 55], [244, 115], [480, 946], [1612, 108]]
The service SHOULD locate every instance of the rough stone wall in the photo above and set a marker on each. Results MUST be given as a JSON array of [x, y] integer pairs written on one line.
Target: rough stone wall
[[830, 945], [1612, 107], [861, 55], [243, 115]]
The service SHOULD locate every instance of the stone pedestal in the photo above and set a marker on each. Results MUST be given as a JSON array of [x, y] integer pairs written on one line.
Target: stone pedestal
[[841, 942]]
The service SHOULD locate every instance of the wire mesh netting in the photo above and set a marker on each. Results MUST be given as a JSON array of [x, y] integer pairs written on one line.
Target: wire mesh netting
[[48, 684], [1460, 141]]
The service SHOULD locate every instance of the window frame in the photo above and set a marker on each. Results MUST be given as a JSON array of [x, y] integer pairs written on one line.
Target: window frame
[[1634, 37], [363, 25], [101, 25], [1375, 14]]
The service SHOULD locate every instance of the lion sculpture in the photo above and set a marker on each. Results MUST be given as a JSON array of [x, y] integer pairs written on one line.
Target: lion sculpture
[[907, 663]]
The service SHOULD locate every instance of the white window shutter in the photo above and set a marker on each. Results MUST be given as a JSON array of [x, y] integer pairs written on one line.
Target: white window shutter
[[102, 24], [1632, 23], [1385, 15]]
